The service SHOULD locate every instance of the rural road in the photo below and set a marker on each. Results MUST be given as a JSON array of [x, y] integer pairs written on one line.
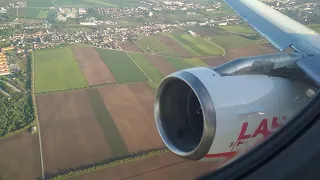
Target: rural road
[[155, 84], [37, 119]]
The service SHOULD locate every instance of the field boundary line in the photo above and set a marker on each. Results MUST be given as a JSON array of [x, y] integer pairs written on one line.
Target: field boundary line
[[36, 116], [224, 51], [155, 84], [162, 55], [156, 169]]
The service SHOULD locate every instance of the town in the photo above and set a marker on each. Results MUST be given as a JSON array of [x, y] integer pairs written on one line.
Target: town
[[100, 27]]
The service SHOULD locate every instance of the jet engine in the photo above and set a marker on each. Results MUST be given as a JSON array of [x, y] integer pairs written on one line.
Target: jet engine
[[218, 113]]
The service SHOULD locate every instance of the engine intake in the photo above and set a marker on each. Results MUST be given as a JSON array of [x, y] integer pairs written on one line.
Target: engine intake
[[185, 115]]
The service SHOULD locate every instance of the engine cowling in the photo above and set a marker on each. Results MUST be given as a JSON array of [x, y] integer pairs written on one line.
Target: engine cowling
[[202, 115]]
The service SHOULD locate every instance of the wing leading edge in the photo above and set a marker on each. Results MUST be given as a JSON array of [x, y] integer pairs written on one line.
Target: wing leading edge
[[280, 30]]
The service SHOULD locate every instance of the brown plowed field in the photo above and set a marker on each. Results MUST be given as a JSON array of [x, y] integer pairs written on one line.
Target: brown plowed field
[[129, 46], [158, 167], [71, 134], [214, 61], [250, 51], [94, 69], [20, 157], [175, 46], [164, 67], [131, 108]]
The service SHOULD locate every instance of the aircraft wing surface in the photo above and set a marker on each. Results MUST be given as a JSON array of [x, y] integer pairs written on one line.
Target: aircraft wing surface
[[280, 30]]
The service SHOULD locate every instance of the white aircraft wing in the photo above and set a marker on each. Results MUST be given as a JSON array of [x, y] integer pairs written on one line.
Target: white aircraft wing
[[280, 30]]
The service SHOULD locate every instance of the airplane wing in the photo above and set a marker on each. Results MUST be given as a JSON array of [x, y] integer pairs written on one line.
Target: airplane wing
[[278, 29]]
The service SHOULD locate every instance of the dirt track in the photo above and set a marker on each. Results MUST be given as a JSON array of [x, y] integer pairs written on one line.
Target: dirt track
[[20, 157], [129, 46], [94, 69], [71, 134], [131, 107], [164, 67], [175, 46], [158, 167], [250, 51], [214, 61]]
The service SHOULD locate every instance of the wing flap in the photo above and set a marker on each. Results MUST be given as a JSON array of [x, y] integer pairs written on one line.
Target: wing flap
[[277, 28]]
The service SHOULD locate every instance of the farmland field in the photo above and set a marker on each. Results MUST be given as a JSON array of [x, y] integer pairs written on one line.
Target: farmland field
[[93, 67], [147, 67], [214, 61], [250, 51], [315, 27], [178, 63], [110, 130], [152, 44], [39, 3], [70, 130], [121, 66], [182, 63], [177, 46], [157, 167], [84, 3], [56, 69], [235, 41], [198, 44], [51, 15], [42, 14], [129, 46], [28, 13], [131, 107], [20, 157], [239, 29], [98, 2], [160, 63]]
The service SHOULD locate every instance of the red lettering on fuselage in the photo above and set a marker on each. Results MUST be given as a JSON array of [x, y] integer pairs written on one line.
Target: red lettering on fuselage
[[261, 129], [242, 134]]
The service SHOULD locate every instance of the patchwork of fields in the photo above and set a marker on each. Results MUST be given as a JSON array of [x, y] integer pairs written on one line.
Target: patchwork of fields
[[151, 44], [81, 3], [95, 104]]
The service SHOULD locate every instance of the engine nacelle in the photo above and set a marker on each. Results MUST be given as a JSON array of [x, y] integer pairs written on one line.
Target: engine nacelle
[[202, 115]]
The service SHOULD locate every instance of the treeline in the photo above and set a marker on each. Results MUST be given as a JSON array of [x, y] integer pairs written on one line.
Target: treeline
[[16, 111], [103, 164], [71, 89]]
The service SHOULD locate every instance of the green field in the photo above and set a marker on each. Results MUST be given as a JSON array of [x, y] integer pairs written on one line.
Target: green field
[[109, 128], [239, 29], [73, 3], [28, 13], [39, 3], [198, 44], [234, 41], [51, 15], [98, 2], [193, 52], [152, 44], [182, 63], [195, 62], [42, 14], [121, 66], [315, 27], [57, 69], [151, 71]]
